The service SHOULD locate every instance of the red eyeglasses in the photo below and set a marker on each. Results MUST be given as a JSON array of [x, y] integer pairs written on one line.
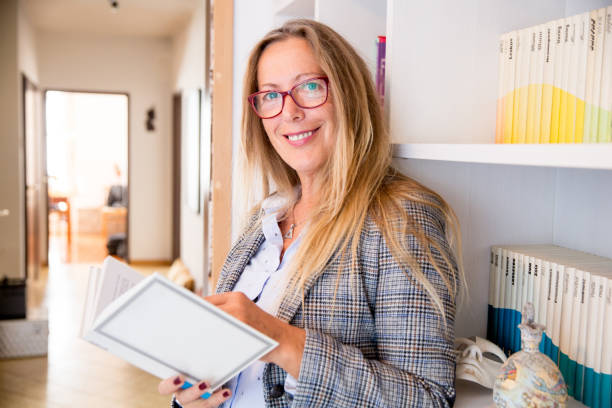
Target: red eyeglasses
[[308, 94]]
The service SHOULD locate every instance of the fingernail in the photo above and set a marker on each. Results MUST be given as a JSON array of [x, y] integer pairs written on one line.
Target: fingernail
[[225, 394], [203, 386], [177, 381]]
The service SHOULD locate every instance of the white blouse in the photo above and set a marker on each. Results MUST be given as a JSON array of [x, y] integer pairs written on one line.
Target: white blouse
[[263, 281]]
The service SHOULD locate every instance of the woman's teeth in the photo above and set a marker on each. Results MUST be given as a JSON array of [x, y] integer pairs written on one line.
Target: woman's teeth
[[300, 136]]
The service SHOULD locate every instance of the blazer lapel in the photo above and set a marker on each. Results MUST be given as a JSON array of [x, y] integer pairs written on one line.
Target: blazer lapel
[[238, 258]]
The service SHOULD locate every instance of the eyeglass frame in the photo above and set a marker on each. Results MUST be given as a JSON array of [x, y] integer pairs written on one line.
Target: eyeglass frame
[[251, 97]]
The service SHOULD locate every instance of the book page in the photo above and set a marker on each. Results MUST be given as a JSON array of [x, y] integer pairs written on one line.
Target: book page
[[116, 279]]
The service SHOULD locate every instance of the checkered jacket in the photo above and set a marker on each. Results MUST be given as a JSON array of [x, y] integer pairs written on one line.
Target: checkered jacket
[[382, 345]]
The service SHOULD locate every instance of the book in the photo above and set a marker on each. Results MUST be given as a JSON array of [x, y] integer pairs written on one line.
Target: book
[[499, 118], [605, 101], [509, 90], [182, 334], [535, 45], [547, 83], [559, 53], [582, 47], [597, 75], [522, 86], [381, 47]]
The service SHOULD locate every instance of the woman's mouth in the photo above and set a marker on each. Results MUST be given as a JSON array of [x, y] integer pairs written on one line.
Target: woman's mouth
[[298, 139]]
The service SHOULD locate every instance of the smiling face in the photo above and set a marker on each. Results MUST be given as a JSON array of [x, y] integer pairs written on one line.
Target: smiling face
[[304, 138]]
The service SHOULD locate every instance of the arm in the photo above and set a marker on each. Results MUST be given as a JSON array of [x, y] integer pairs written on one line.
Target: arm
[[414, 364]]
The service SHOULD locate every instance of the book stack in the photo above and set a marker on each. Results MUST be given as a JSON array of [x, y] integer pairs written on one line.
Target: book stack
[[572, 295], [555, 81]]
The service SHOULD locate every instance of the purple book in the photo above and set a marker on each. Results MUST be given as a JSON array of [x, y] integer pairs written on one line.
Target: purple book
[[381, 43]]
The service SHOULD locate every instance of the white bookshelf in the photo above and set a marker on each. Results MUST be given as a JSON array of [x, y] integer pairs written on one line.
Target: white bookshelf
[[441, 92], [582, 156]]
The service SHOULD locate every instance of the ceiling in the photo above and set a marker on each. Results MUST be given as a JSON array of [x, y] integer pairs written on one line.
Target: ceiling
[[149, 18]]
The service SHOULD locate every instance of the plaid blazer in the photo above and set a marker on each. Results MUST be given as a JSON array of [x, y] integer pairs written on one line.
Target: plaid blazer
[[382, 345]]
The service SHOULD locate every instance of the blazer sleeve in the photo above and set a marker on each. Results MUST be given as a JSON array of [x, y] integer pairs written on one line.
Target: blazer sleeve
[[414, 364]]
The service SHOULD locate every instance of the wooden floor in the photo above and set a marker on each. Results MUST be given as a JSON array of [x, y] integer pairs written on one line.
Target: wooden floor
[[75, 373]]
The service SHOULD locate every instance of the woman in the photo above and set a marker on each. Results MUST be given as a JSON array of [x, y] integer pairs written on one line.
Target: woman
[[348, 264]]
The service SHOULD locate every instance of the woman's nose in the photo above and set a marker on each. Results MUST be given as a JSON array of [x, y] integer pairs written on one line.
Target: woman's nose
[[291, 111]]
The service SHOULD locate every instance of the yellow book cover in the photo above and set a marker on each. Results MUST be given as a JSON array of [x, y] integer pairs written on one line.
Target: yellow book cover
[[508, 102], [547, 82], [565, 96], [557, 79], [533, 103], [522, 82]]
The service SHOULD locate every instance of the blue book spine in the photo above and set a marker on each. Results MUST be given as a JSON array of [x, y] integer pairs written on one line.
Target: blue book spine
[[589, 387], [563, 367], [606, 390], [570, 378], [490, 324], [578, 389]]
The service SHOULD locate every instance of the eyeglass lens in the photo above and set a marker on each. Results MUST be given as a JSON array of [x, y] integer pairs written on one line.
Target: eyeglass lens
[[308, 94]]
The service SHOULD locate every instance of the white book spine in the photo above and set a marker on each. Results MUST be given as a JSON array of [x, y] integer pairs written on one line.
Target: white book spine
[[558, 308], [577, 302], [559, 51], [590, 76], [509, 86], [566, 327], [499, 126], [543, 296], [582, 47], [593, 331], [539, 81], [522, 81], [597, 74], [550, 298], [606, 361], [605, 104]]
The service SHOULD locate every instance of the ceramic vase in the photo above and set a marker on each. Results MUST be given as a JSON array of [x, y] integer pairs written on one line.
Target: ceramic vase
[[529, 378]]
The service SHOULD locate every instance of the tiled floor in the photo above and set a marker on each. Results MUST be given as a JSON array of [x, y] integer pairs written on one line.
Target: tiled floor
[[75, 373]]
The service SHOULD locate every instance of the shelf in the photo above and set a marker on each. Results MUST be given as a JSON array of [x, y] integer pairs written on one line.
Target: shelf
[[587, 156]]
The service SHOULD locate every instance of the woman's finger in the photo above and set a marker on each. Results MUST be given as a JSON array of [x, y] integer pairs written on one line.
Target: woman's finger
[[217, 398], [170, 385], [197, 391]]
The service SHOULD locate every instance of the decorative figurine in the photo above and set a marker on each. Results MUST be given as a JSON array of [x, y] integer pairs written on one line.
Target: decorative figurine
[[478, 360], [529, 378]]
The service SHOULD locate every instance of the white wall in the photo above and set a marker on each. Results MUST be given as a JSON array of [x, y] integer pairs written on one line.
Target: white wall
[[26, 43], [140, 67], [188, 72]]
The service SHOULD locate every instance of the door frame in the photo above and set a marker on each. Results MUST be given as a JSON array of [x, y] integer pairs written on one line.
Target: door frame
[[129, 155]]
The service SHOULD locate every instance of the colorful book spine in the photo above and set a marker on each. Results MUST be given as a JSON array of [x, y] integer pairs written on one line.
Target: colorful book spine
[[547, 83], [381, 46], [522, 87], [606, 360], [597, 75], [581, 345], [499, 120], [558, 67], [509, 89], [566, 328]]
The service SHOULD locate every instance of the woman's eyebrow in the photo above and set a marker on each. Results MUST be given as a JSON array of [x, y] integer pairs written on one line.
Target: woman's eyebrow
[[295, 79]]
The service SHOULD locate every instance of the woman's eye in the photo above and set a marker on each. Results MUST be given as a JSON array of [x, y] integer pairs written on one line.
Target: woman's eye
[[270, 96], [311, 86]]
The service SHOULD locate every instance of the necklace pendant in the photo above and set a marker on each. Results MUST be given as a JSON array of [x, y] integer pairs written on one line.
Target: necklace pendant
[[289, 234]]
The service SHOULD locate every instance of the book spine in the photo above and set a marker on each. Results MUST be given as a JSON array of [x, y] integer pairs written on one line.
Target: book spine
[[514, 308], [509, 90], [508, 303], [581, 355], [557, 80], [606, 369], [542, 298], [605, 105], [539, 81], [577, 291], [521, 291], [597, 75], [599, 368], [572, 77], [502, 300], [492, 295], [564, 84], [530, 134], [381, 46], [499, 121], [566, 327], [582, 46], [591, 345], [558, 311], [522, 81], [590, 77], [547, 83]]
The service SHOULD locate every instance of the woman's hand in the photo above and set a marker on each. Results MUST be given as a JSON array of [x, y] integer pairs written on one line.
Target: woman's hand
[[291, 339], [190, 397]]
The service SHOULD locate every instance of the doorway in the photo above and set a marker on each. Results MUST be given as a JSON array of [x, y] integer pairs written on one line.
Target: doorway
[[87, 142]]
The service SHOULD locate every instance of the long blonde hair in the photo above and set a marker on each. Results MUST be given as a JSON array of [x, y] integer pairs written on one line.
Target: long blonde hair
[[359, 180]]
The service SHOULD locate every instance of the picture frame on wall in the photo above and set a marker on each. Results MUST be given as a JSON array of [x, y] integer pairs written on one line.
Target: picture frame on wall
[[191, 134]]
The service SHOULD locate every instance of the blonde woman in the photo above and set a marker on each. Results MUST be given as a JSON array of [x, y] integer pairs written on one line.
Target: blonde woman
[[347, 264]]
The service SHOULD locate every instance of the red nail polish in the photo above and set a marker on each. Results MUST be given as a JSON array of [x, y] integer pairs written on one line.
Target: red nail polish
[[225, 394], [177, 381], [203, 386]]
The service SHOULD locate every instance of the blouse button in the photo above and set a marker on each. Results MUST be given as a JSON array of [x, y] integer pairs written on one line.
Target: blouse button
[[277, 391]]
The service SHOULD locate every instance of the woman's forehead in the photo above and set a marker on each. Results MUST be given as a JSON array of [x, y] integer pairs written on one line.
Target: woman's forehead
[[286, 61]]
